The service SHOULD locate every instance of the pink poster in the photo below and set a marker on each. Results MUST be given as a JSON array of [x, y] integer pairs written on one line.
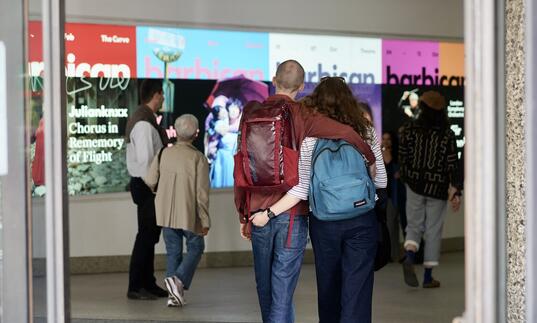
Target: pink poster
[[410, 62]]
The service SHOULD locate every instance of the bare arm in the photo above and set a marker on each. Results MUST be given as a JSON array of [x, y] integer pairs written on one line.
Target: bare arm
[[260, 219]]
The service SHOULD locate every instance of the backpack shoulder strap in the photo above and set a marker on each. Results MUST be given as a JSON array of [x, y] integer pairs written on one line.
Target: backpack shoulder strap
[[294, 144], [160, 154], [159, 157], [252, 105]]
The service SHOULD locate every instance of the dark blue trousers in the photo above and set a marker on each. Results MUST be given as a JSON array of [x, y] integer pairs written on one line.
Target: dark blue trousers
[[344, 258]]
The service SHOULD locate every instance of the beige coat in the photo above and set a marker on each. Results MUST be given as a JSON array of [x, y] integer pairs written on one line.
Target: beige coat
[[182, 200]]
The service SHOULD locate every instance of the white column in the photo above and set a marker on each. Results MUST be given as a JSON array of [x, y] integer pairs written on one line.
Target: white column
[[56, 200], [484, 182]]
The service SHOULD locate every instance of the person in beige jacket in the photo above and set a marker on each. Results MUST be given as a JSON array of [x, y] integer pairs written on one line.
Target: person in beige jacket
[[181, 179]]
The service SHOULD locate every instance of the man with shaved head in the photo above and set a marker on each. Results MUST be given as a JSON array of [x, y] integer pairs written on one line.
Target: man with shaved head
[[289, 77], [279, 237]]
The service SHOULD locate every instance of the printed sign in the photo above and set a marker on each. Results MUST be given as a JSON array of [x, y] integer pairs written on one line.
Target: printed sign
[[410, 62], [213, 74], [358, 60], [422, 63], [91, 50], [201, 54]]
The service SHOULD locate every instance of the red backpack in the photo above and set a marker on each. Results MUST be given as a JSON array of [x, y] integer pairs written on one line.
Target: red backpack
[[267, 156]]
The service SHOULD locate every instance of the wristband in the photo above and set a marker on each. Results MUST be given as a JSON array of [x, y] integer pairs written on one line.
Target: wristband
[[270, 214]]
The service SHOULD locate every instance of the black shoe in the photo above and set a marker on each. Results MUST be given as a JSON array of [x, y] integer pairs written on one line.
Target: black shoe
[[142, 295], [409, 274], [157, 291], [432, 284]]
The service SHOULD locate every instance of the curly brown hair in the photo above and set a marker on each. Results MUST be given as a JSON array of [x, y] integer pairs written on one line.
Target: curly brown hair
[[334, 99]]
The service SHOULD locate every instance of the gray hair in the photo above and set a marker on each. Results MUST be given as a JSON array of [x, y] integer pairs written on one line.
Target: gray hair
[[186, 127]]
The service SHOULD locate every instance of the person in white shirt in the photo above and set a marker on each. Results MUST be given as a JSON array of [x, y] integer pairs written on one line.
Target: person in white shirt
[[144, 140]]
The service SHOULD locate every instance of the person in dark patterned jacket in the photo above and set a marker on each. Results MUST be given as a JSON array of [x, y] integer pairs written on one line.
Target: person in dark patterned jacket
[[429, 169]]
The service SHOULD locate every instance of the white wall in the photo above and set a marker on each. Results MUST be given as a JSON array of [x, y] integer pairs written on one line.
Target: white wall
[[422, 18], [105, 225]]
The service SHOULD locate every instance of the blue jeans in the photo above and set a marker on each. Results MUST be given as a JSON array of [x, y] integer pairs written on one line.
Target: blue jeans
[[277, 267], [182, 267], [344, 260]]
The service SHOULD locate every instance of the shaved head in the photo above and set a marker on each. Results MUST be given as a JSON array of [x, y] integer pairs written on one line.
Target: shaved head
[[289, 76]]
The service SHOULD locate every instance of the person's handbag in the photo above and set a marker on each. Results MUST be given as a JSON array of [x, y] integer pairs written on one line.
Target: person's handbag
[[384, 248]]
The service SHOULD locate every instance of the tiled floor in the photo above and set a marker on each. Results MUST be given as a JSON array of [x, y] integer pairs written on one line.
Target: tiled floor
[[228, 295]]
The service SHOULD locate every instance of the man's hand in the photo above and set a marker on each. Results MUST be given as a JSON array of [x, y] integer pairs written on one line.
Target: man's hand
[[451, 192], [245, 231], [260, 219], [456, 203], [204, 231], [406, 94], [454, 198]]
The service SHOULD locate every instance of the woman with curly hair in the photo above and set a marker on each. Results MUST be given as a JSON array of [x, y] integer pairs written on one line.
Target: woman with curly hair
[[345, 250]]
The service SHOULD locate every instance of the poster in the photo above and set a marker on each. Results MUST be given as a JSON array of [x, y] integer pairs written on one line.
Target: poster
[[91, 50], [411, 68], [201, 54], [212, 74], [100, 61], [358, 60]]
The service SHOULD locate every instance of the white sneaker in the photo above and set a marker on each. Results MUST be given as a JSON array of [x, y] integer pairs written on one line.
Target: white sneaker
[[175, 288], [172, 302], [179, 285]]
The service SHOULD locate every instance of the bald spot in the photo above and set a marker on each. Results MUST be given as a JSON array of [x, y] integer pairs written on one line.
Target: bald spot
[[289, 75]]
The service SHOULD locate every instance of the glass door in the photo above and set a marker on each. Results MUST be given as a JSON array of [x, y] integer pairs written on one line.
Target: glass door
[[14, 256], [32, 230]]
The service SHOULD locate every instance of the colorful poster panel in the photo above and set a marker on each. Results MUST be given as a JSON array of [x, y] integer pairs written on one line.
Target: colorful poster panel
[[201, 54], [358, 60]]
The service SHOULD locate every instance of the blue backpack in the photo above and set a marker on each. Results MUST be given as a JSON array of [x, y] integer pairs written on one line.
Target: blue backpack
[[340, 186]]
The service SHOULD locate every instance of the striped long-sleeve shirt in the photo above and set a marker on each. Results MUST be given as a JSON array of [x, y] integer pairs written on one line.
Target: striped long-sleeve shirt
[[301, 190]]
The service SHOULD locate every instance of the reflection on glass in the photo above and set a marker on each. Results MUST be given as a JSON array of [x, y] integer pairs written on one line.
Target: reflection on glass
[[1, 248], [35, 128]]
